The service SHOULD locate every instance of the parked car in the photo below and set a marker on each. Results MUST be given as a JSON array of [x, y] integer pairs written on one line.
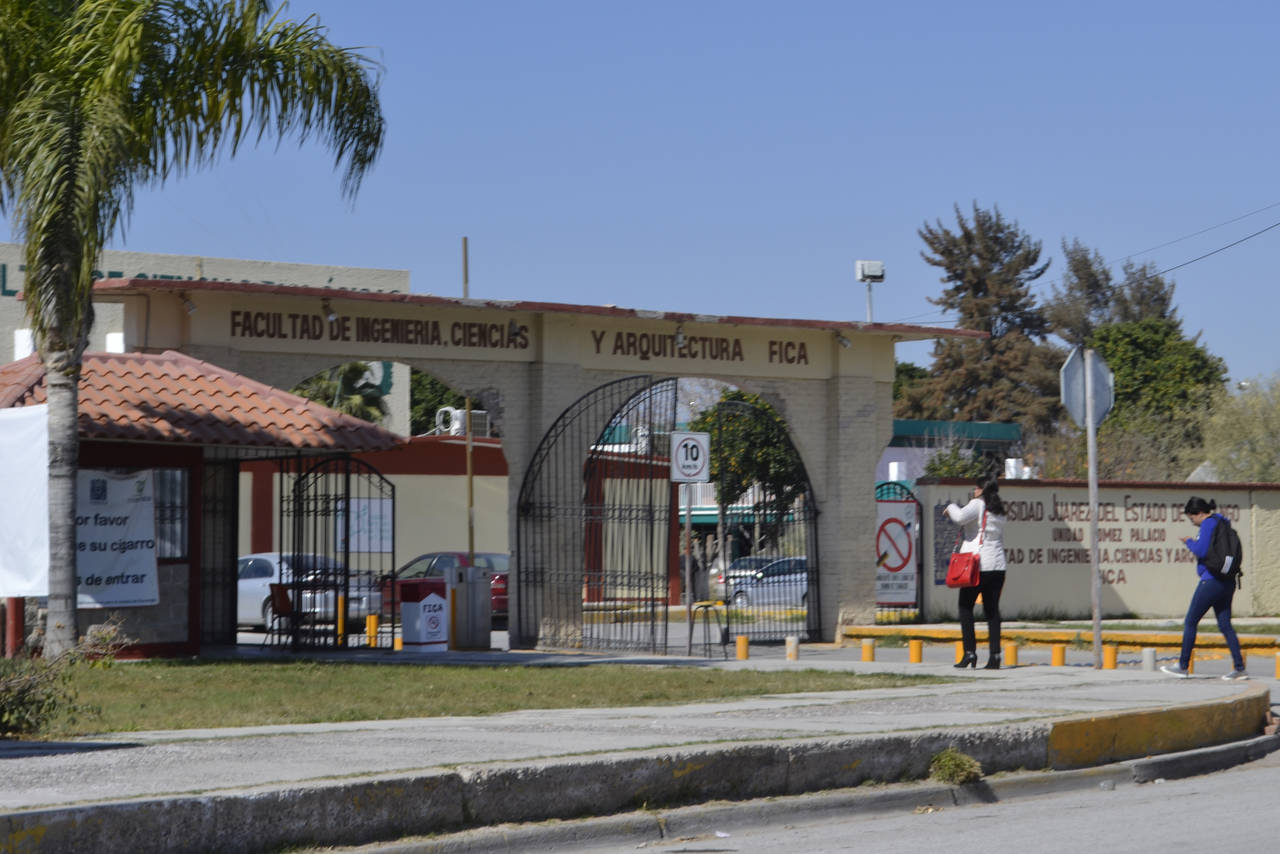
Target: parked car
[[784, 583], [739, 568], [318, 579], [437, 564]]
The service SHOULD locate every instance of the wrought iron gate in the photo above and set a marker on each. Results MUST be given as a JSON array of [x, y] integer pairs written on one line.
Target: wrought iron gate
[[768, 574], [337, 533], [596, 547]]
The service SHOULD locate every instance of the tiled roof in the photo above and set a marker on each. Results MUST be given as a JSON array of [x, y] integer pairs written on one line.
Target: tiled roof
[[171, 397]]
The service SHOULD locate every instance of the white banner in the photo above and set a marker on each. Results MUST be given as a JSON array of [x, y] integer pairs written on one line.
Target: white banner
[[115, 540], [24, 458]]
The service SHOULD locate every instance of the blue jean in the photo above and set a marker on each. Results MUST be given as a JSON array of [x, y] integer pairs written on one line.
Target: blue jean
[[1215, 594]]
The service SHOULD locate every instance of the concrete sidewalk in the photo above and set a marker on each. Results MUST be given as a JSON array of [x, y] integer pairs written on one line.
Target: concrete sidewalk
[[264, 788]]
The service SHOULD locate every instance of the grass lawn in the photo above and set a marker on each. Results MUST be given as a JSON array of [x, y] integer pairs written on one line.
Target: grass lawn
[[155, 695]]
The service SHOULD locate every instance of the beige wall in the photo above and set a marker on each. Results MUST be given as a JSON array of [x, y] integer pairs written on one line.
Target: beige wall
[[1145, 569], [431, 514]]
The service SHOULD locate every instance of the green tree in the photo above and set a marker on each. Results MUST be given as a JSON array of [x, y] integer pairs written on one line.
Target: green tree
[[1090, 297], [100, 97], [426, 395], [1240, 434], [906, 374], [750, 444], [346, 389], [1165, 387], [988, 266]]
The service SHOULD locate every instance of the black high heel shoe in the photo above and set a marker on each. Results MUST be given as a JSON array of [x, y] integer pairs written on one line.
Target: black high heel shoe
[[993, 663], [970, 659]]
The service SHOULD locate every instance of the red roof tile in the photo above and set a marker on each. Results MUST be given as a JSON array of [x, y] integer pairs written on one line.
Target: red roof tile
[[171, 397]]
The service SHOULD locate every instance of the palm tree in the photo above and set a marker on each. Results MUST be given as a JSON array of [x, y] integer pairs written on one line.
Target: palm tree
[[346, 389], [100, 97]]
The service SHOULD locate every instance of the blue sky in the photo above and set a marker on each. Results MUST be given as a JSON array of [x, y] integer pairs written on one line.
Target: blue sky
[[738, 157]]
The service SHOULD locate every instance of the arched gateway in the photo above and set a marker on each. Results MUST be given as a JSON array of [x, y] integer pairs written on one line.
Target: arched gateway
[[528, 362]]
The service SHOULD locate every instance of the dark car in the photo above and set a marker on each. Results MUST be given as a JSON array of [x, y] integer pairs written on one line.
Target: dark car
[[438, 564]]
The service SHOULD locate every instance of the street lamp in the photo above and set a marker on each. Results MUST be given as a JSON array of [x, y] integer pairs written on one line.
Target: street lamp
[[869, 271]]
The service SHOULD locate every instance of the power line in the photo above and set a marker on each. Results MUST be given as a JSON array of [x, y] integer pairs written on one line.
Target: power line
[[1219, 249], [1201, 231]]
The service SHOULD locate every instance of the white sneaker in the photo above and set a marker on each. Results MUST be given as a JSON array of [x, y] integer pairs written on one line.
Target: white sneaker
[[1235, 676], [1175, 670]]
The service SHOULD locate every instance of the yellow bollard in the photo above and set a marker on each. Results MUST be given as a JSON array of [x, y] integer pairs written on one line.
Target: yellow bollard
[[743, 654], [959, 651], [398, 644], [793, 648], [1010, 655], [1059, 655], [1109, 653], [868, 649], [1191, 665], [342, 619], [1278, 665], [915, 651], [371, 629]]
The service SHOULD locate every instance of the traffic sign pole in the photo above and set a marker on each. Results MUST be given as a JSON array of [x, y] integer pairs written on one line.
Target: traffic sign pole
[[1091, 431]]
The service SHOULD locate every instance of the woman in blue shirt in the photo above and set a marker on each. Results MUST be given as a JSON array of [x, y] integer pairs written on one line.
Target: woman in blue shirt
[[1210, 592]]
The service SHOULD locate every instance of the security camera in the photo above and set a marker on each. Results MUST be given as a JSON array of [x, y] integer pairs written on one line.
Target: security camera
[[870, 271]]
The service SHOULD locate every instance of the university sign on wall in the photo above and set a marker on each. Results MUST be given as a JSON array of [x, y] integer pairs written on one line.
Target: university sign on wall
[[1144, 567]]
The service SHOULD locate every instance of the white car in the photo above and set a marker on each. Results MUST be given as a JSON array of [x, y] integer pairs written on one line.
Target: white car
[[319, 578], [781, 584]]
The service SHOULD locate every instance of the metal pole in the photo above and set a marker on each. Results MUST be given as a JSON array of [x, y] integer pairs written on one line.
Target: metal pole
[[868, 302], [1091, 430], [688, 566], [471, 494]]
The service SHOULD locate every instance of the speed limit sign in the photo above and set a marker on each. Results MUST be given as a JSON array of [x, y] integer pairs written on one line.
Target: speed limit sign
[[690, 457]]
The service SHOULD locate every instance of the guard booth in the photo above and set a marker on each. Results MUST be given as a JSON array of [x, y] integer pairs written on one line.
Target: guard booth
[[182, 429]]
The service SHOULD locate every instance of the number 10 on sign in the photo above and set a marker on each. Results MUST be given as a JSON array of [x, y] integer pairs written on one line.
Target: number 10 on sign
[[690, 457]]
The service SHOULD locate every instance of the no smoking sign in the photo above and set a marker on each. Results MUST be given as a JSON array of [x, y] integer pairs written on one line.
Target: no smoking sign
[[690, 457]]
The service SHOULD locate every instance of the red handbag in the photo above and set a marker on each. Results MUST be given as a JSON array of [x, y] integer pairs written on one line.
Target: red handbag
[[964, 568]]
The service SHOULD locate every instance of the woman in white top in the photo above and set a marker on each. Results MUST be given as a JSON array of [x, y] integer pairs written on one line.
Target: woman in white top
[[983, 521]]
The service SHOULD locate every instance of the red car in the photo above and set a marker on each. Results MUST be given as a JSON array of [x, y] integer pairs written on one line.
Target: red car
[[436, 564]]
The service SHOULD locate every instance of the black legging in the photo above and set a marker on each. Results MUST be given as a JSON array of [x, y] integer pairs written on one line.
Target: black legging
[[990, 585]]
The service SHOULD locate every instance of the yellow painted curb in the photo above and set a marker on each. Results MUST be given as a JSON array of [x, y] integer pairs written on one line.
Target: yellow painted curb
[[1123, 640], [1101, 739]]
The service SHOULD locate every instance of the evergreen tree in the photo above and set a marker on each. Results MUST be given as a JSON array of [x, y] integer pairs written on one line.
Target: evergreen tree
[[1090, 298], [988, 266]]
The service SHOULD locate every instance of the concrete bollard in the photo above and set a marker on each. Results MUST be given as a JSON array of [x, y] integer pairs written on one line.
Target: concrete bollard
[[1109, 653], [1059, 655], [915, 652], [1149, 658], [868, 649], [743, 652], [1010, 655], [793, 648]]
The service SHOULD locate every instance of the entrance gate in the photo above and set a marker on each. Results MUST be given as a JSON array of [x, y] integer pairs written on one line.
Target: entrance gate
[[598, 540], [337, 529], [595, 542], [767, 521]]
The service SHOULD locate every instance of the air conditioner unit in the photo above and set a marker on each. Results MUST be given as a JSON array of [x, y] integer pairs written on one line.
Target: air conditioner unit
[[453, 422]]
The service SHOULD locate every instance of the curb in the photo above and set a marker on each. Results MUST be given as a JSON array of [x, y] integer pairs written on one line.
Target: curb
[[700, 822], [359, 811]]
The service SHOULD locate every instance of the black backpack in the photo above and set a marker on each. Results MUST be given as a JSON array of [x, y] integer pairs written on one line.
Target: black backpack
[[1225, 558]]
